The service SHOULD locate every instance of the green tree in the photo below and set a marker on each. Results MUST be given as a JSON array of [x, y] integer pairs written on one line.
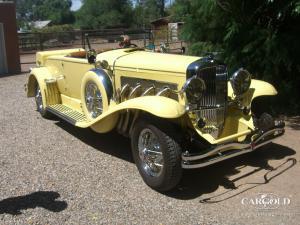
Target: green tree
[[180, 9], [58, 11], [104, 14], [260, 35], [146, 11]]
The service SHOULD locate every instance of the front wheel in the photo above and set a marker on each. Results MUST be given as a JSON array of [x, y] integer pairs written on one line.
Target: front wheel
[[157, 156]]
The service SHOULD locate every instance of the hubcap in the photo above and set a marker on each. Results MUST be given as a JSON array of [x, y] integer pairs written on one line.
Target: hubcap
[[150, 153], [93, 99], [39, 99]]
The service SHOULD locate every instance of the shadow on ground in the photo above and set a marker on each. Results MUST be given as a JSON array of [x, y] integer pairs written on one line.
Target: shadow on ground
[[44, 199], [205, 180], [294, 122], [110, 143]]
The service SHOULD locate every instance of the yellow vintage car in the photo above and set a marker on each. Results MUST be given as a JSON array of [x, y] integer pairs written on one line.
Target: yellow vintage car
[[181, 112]]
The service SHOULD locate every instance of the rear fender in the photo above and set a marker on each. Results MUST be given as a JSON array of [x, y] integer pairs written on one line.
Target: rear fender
[[38, 76]]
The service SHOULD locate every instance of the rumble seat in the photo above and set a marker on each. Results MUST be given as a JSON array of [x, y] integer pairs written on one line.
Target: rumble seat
[[79, 54]]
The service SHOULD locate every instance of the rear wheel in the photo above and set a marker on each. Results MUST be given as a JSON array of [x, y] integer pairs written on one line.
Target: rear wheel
[[157, 156], [39, 103]]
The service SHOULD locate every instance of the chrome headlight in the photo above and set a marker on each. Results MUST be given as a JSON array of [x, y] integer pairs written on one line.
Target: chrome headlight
[[194, 89], [240, 81]]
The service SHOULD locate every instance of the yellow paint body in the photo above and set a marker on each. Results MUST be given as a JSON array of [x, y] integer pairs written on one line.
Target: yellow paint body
[[69, 73]]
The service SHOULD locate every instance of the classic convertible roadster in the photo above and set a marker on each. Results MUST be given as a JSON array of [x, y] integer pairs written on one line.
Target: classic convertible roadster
[[181, 112]]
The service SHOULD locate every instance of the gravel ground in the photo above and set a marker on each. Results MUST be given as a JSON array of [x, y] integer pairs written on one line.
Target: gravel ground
[[53, 173]]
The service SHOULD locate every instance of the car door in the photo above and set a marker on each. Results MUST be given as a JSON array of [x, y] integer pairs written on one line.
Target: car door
[[73, 71]]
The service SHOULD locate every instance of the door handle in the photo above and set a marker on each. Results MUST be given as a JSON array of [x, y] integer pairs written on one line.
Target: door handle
[[61, 77]]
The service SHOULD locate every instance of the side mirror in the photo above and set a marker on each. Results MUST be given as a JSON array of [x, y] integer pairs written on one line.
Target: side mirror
[[91, 56], [91, 59]]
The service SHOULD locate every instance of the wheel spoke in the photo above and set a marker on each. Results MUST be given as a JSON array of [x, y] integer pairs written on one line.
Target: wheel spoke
[[150, 152], [39, 99], [154, 152], [157, 164], [93, 99]]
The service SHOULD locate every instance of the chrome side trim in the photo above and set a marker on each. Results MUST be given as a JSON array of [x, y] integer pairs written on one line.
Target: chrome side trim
[[164, 92], [136, 91], [146, 86], [149, 91], [125, 91]]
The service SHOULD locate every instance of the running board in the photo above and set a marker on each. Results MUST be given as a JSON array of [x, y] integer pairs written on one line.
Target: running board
[[67, 114]]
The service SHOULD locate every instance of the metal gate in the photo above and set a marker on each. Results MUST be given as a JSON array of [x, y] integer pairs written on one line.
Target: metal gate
[[3, 62]]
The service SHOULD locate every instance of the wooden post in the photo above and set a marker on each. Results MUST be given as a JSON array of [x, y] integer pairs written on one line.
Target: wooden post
[[144, 31], [41, 41], [82, 40]]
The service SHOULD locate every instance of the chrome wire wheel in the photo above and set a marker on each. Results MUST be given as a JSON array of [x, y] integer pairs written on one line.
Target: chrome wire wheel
[[38, 99], [150, 153], [156, 153], [93, 99]]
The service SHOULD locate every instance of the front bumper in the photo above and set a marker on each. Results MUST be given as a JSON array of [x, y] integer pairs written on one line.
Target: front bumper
[[222, 152]]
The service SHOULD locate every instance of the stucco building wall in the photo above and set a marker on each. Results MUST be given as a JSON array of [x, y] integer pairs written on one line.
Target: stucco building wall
[[8, 19]]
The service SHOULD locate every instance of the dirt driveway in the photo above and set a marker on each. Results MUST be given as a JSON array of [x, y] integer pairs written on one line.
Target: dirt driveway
[[53, 173]]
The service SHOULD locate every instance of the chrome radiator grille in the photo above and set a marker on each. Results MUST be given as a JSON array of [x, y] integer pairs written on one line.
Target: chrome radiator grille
[[212, 106]]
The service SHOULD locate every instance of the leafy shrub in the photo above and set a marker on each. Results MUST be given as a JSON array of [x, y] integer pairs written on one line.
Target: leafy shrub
[[55, 29], [259, 35]]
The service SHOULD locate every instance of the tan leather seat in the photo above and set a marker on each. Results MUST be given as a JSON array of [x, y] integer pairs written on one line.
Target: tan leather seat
[[82, 54], [79, 54]]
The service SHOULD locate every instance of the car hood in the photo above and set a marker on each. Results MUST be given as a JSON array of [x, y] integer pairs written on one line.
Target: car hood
[[144, 60]]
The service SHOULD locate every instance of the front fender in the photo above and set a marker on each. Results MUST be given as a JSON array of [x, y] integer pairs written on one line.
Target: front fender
[[257, 88], [262, 88], [159, 106]]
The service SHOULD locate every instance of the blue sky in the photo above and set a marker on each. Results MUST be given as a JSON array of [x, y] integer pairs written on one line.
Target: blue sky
[[75, 4]]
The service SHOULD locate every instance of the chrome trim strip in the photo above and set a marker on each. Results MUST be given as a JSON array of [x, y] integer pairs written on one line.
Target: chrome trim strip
[[149, 90], [213, 161], [267, 133], [164, 91], [188, 162], [143, 69], [146, 83], [264, 143], [136, 91], [219, 148]]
